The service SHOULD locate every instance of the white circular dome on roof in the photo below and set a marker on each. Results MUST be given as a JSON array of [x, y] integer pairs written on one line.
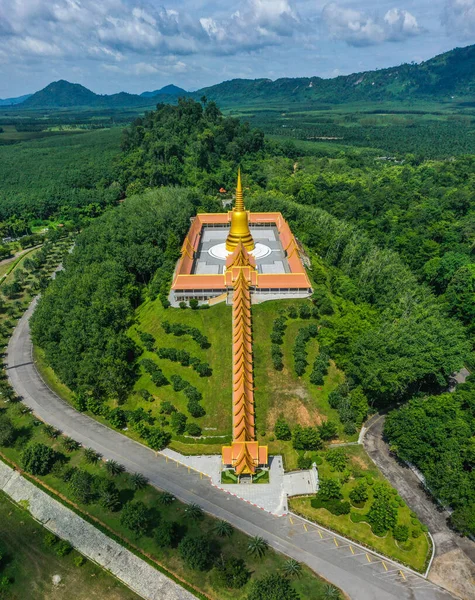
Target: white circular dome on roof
[[219, 251]]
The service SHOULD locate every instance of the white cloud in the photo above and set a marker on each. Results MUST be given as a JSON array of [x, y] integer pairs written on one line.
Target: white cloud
[[459, 18], [361, 29]]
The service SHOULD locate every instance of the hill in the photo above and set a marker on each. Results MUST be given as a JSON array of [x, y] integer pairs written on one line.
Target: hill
[[449, 77], [168, 90], [63, 94], [445, 77], [13, 101]]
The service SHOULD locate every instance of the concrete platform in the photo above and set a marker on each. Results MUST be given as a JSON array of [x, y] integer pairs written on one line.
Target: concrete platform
[[271, 497]]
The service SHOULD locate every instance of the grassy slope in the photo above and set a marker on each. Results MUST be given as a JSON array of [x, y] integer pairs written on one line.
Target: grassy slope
[[30, 565], [309, 585], [416, 557], [282, 391], [215, 323]]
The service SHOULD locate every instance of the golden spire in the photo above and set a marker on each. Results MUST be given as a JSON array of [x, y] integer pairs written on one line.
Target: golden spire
[[239, 230], [239, 204]]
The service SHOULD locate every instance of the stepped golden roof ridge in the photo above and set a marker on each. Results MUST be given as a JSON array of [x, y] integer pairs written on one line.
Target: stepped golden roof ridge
[[244, 454]]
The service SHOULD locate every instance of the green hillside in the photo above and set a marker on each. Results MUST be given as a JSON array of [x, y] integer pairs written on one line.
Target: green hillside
[[63, 94], [449, 76]]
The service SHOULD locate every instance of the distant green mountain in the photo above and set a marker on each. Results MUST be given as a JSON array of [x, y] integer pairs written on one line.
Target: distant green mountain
[[63, 94], [168, 90], [448, 76], [13, 101]]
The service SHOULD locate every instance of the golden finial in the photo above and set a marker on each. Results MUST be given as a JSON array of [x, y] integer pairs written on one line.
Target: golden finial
[[239, 205]]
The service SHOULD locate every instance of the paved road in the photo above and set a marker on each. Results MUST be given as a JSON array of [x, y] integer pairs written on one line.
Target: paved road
[[409, 487], [360, 578]]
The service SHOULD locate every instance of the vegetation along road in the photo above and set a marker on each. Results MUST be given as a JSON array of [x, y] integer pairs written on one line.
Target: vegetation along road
[[357, 573], [455, 555]]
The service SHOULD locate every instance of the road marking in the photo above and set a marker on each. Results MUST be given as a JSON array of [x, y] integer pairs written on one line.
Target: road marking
[[201, 475], [384, 565], [336, 543], [352, 551], [367, 557], [320, 533], [291, 521], [305, 527], [402, 575]]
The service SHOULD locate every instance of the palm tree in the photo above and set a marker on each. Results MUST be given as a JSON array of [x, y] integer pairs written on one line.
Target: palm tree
[[330, 592], [91, 456], [51, 431], [139, 481], [165, 498], [292, 568], [114, 468], [194, 511], [223, 529], [257, 546], [69, 444]]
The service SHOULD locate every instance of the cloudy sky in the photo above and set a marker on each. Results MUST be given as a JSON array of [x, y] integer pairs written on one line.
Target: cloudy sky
[[137, 45]]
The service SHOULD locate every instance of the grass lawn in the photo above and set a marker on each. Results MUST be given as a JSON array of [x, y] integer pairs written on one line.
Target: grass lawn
[[418, 549], [309, 585], [30, 565], [215, 323], [283, 391], [275, 392]]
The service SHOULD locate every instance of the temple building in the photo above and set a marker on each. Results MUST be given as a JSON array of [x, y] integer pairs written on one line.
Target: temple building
[[212, 237], [240, 257]]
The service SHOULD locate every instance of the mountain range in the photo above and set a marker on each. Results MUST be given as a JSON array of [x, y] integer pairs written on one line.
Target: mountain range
[[446, 77]]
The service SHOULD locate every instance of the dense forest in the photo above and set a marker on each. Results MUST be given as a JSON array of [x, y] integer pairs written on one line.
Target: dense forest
[[392, 239], [188, 144], [81, 319], [424, 211]]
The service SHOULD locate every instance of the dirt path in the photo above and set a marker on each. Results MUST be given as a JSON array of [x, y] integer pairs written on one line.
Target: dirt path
[[454, 563]]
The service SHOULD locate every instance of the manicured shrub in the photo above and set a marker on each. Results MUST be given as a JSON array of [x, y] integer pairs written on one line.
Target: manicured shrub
[[178, 422], [193, 429], [306, 438], [282, 429], [329, 489], [304, 462], [328, 430], [401, 533], [337, 458], [359, 494]]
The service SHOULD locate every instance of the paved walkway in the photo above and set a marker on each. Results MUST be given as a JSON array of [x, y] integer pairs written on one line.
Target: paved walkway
[[271, 497], [137, 574], [360, 573]]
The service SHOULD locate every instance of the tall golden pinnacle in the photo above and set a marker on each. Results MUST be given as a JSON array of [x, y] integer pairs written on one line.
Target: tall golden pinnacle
[[239, 223]]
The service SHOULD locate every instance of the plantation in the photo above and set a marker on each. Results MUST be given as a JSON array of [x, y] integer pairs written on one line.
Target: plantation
[[356, 501]]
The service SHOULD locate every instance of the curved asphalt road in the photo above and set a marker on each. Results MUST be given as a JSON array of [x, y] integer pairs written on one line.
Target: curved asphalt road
[[353, 574]]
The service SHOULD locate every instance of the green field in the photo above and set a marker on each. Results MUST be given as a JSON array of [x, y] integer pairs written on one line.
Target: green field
[[415, 552], [29, 564]]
